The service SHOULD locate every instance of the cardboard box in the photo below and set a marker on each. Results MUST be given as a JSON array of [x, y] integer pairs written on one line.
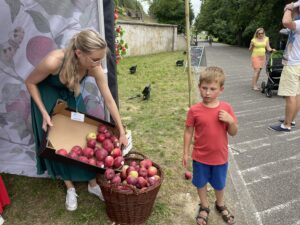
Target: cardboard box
[[67, 133]]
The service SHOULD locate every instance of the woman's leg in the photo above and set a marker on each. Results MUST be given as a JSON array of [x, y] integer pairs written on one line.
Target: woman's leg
[[71, 198], [255, 78]]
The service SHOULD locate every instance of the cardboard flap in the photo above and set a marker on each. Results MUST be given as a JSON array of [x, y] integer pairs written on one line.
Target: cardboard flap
[[67, 133]]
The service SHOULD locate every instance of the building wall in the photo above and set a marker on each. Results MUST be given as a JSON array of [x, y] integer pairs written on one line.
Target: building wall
[[145, 39]]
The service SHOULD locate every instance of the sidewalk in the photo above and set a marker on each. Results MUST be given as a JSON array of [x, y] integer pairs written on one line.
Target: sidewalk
[[264, 174]]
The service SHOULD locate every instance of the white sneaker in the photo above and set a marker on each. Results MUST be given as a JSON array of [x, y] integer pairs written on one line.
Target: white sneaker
[[71, 199], [96, 190], [1, 220]]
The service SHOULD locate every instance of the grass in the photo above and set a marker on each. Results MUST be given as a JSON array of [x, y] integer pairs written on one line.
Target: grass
[[157, 129]]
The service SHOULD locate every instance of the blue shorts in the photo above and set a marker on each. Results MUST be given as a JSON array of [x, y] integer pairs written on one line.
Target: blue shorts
[[215, 175]]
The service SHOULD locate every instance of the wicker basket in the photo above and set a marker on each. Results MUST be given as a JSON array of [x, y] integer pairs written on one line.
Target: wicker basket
[[131, 206]]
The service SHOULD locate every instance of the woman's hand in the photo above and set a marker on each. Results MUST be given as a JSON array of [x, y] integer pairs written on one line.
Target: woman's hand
[[46, 122], [123, 140]]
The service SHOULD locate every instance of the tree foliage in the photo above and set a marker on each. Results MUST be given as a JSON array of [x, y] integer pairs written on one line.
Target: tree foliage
[[235, 21], [170, 12]]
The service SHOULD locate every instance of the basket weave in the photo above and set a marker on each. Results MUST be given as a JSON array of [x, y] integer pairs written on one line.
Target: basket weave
[[132, 206]]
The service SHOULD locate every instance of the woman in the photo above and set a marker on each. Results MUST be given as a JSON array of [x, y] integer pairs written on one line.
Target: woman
[[4, 199], [259, 44], [58, 76]]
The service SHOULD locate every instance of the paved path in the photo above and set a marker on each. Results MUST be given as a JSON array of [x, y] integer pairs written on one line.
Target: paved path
[[264, 175]]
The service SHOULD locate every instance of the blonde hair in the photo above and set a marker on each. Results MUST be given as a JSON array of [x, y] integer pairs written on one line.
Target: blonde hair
[[86, 41], [212, 74], [258, 30]]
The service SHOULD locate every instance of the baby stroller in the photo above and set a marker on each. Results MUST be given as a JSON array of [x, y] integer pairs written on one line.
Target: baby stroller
[[273, 69]]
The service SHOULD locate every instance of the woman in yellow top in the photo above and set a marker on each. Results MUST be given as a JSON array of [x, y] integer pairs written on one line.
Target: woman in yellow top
[[258, 46]]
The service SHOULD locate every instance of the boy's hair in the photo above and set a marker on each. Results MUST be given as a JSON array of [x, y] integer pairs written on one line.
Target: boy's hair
[[212, 74]]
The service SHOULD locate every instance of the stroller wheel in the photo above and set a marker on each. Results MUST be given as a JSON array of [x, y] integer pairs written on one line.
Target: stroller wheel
[[263, 86], [269, 93]]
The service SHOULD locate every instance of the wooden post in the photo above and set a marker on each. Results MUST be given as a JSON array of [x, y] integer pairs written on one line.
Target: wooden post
[[188, 49]]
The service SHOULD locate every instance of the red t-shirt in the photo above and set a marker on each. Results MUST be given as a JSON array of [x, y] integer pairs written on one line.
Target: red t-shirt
[[210, 134]]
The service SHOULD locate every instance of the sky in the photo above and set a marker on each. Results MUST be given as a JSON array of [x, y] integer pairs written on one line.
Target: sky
[[195, 4]]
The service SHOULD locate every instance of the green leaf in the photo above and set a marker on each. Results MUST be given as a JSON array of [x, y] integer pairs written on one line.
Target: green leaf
[[14, 6], [41, 23], [63, 8]]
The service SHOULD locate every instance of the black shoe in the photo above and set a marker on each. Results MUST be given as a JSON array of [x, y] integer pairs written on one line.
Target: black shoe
[[279, 128], [293, 124]]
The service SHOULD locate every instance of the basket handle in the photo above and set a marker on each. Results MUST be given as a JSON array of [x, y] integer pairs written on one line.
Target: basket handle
[[115, 187], [135, 153]]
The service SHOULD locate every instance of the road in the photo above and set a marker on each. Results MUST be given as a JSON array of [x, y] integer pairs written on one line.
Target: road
[[264, 173]]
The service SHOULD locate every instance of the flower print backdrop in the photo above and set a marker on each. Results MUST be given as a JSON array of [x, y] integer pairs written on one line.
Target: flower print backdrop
[[29, 30]]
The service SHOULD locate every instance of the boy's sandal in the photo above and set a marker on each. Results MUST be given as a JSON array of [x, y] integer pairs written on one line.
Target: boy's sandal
[[226, 217], [199, 216]]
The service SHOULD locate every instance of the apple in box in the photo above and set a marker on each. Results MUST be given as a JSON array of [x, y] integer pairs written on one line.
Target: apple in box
[[116, 152], [109, 174], [91, 136], [101, 154], [88, 152], [77, 150], [108, 161], [118, 161], [108, 145], [62, 152], [102, 128], [101, 137]]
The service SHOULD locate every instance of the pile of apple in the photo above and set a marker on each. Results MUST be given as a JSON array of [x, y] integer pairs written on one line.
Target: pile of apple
[[102, 150], [140, 175]]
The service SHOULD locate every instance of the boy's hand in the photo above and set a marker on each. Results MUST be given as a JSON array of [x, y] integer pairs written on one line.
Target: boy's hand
[[184, 160], [225, 117]]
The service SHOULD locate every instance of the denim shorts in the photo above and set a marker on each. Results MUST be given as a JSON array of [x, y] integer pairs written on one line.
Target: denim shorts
[[215, 175]]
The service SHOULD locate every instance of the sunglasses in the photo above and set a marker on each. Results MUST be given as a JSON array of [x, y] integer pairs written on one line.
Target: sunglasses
[[260, 33]]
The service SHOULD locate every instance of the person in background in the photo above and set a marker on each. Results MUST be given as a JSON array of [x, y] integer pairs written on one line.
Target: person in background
[[209, 121], [289, 85], [4, 199], [58, 76], [258, 46]]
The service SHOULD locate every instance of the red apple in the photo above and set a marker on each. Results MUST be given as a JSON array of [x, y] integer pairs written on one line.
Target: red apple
[[73, 155], [131, 180], [129, 169], [77, 149], [188, 175], [152, 171], [118, 161], [100, 164], [102, 128], [141, 182], [116, 179], [92, 161], [101, 154], [146, 163], [91, 143], [113, 138], [109, 161], [83, 159], [143, 172], [62, 152], [153, 180], [101, 137], [133, 163], [88, 152], [109, 174], [108, 145], [107, 134], [116, 152]]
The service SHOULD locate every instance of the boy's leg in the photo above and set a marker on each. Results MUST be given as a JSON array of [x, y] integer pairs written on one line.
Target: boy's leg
[[202, 216], [220, 206], [202, 192]]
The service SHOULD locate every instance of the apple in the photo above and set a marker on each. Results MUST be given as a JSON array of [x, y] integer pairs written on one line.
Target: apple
[[153, 180], [92, 161], [109, 161], [77, 149], [116, 152], [152, 171], [83, 159], [73, 155], [133, 163], [109, 174], [116, 179], [124, 171], [91, 136], [131, 180], [101, 154], [113, 138], [108, 145], [102, 128], [146, 163], [133, 174], [100, 164], [188, 175], [88, 152], [129, 169], [108, 134], [141, 182], [91, 143], [101, 137], [62, 152], [118, 161], [143, 172]]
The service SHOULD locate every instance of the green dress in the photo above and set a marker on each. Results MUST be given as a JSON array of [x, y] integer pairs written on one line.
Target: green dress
[[51, 89]]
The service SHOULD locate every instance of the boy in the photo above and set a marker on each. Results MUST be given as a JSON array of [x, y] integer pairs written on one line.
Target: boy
[[210, 120]]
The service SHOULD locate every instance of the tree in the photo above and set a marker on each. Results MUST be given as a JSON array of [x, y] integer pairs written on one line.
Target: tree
[[170, 12]]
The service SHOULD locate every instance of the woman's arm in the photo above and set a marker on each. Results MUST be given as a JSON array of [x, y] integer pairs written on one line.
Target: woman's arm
[[101, 81], [251, 46], [48, 65]]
